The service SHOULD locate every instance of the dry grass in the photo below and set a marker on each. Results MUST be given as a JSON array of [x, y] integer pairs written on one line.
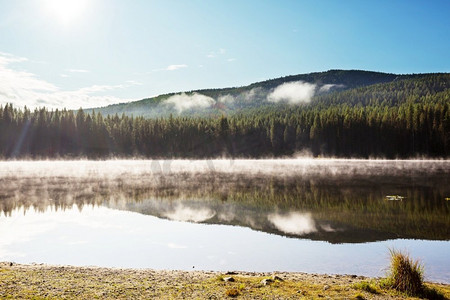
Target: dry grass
[[405, 274]]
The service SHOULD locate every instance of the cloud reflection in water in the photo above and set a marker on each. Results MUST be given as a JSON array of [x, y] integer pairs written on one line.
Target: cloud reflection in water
[[189, 214], [293, 223]]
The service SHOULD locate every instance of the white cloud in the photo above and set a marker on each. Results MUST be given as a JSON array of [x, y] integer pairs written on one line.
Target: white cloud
[[101, 88], [226, 99], [77, 71], [214, 54], [327, 87], [170, 68], [6, 58], [293, 92], [183, 101], [231, 59], [175, 67], [24, 88], [253, 94], [64, 75], [134, 82]]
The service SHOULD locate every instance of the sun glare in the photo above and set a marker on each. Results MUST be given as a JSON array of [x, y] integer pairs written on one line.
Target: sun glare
[[66, 11]]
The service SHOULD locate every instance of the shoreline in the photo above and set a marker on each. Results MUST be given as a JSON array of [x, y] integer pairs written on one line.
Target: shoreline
[[61, 281]]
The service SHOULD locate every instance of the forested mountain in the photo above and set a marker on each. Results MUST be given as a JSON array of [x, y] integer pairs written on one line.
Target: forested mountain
[[396, 117], [231, 100]]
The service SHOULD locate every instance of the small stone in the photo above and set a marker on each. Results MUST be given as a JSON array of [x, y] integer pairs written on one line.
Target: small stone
[[326, 287], [229, 279], [266, 281], [231, 273], [275, 277]]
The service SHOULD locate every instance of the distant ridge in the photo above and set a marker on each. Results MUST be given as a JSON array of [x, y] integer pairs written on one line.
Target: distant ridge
[[229, 100]]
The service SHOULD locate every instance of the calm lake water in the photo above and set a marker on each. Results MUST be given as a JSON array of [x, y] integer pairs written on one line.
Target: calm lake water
[[305, 215]]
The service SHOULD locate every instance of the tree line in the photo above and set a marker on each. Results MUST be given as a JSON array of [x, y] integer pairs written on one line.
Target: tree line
[[393, 120]]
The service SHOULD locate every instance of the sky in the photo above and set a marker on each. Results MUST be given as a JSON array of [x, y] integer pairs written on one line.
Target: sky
[[90, 53]]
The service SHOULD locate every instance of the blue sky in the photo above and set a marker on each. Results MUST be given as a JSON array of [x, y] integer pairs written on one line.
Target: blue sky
[[72, 53]]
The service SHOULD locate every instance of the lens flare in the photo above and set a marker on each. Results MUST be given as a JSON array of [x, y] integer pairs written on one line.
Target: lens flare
[[66, 11]]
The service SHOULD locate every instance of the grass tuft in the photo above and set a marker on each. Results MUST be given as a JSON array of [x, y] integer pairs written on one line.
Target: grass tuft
[[232, 292], [430, 293], [220, 278], [359, 297], [366, 286], [405, 274]]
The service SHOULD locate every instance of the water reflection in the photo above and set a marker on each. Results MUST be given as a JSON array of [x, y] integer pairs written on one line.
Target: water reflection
[[107, 237], [122, 213], [294, 223], [336, 201], [188, 214]]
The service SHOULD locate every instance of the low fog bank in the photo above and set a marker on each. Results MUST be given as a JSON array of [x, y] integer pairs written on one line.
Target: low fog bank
[[271, 167], [293, 93]]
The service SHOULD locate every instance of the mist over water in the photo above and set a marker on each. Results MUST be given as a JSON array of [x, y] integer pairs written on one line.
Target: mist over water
[[275, 167], [336, 201]]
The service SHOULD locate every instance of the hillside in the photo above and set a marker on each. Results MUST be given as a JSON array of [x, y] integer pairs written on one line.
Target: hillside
[[376, 115], [230, 100]]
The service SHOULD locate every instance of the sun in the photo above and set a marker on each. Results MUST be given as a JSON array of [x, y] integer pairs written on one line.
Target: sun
[[66, 11]]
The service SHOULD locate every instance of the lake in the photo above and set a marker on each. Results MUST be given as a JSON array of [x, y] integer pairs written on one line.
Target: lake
[[330, 216]]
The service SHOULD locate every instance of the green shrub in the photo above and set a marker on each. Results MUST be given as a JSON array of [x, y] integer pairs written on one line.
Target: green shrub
[[405, 274]]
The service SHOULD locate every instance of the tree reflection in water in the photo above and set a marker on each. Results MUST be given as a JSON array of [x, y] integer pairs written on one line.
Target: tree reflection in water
[[340, 205]]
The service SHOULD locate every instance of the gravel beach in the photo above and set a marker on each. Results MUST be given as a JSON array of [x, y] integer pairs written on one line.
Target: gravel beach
[[39, 281]]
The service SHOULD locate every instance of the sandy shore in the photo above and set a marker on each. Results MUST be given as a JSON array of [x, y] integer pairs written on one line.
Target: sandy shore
[[38, 281]]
